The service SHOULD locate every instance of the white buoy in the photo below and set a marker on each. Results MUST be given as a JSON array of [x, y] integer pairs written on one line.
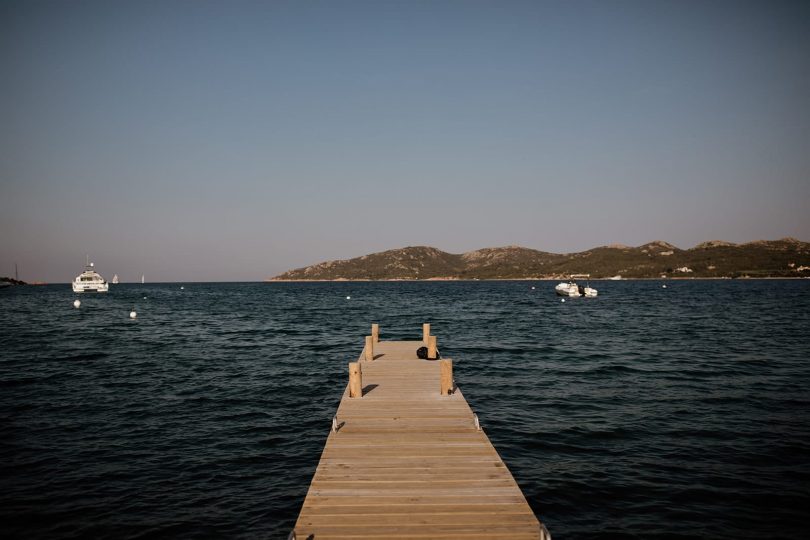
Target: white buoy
[[348, 298], [77, 303], [663, 286], [562, 299], [132, 314], [532, 288], [144, 298], [181, 288]]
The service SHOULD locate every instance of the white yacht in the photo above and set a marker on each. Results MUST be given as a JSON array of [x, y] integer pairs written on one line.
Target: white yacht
[[90, 280], [571, 288]]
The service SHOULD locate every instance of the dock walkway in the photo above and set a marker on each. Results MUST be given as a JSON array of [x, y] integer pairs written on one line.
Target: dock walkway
[[404, 461]]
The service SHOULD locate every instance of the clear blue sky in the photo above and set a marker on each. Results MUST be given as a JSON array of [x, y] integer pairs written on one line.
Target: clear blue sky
[[194, 140]]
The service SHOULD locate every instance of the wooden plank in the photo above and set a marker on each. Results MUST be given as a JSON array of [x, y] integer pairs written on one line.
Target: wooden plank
[[416, 501], [408, 462], [400, 520], [411, 508], [494, 531]]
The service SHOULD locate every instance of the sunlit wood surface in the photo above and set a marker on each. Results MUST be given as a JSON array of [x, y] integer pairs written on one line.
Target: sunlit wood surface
[[407, 462]]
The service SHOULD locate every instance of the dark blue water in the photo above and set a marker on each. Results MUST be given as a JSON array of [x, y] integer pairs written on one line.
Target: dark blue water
[[644, 413]]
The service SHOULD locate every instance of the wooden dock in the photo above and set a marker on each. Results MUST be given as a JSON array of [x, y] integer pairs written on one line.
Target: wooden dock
[[405, 461]]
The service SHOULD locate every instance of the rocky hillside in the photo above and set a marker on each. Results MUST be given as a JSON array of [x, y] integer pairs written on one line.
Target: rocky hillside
[[787, 257]]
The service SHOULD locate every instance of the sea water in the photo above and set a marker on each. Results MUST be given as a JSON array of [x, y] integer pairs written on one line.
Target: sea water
[[648, 412]]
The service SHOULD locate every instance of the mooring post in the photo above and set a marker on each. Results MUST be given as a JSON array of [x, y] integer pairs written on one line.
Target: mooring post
[[447, 377], [355, 380], [375, 332], [368, 351], [425, 332], [432, 347]]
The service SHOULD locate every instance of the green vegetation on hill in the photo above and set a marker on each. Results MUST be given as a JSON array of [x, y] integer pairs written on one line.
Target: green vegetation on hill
[[787, 257]]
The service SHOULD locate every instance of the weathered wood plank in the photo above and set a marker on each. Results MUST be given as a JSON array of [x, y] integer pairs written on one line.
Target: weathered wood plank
[[415, 501], [411, 508]]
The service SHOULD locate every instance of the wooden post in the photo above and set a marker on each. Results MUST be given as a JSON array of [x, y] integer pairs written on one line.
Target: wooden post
[[368, 351], [447, 377], [375, 332], [432, 347], [355, 380], [425, 332]]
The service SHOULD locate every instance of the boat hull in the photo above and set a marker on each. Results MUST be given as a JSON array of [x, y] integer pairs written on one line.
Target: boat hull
[[567, 289], [101, 287]]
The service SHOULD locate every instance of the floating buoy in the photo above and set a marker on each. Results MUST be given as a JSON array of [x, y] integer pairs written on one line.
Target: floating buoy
[[663, 286], [348, 298], [181, 288], [562, 299], [77, 303], [132, 314], [532, 288], [144, 298]]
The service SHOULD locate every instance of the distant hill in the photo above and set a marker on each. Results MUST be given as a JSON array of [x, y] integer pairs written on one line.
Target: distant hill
[[787, 257]]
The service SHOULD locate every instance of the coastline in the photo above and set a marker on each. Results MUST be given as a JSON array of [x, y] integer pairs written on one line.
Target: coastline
[[347, 280]]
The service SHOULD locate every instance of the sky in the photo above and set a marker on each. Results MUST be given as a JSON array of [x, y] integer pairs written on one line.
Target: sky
[[230, 141]]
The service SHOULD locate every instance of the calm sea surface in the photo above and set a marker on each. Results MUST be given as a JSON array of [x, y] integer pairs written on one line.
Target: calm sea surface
[[644, 413]]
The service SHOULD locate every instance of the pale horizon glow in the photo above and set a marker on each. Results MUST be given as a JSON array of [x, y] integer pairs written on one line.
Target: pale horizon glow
[[231, 141]]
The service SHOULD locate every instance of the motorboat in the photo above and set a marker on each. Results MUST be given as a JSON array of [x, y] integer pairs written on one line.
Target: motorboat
[[572, 289], [567, 289], [89, 280]]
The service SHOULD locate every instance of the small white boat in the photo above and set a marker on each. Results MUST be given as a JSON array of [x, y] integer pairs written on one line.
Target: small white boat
[[89, 280], [572, 289], [142, 280], [567, 289], [115, 279]]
